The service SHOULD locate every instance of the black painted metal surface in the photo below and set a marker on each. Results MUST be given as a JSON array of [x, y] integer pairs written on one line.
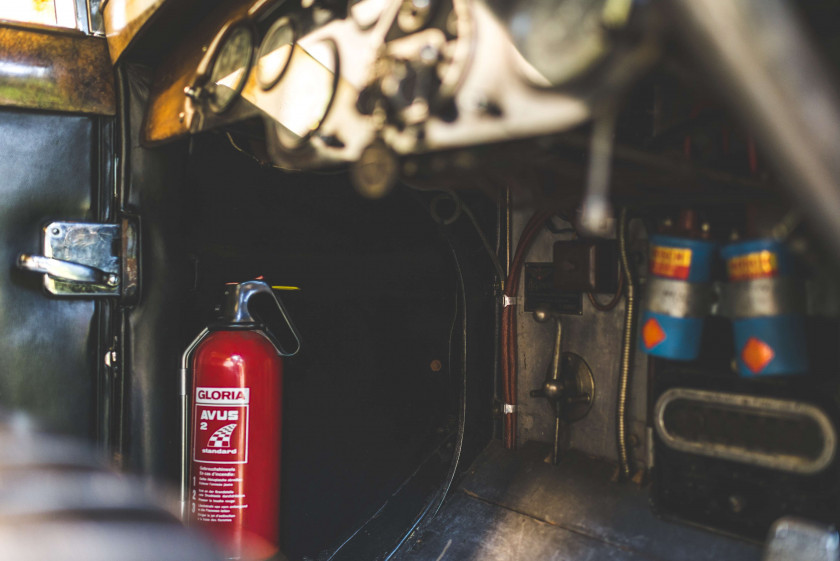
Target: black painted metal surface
[[363, 406], [145, 434], [471, 529], [736, 496], [514, 506], [49, 355]]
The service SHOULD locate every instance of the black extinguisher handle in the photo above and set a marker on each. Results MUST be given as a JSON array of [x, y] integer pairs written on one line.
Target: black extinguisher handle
[[236, 311]]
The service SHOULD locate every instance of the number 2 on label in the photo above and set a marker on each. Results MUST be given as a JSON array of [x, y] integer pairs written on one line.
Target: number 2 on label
[[204, 425]]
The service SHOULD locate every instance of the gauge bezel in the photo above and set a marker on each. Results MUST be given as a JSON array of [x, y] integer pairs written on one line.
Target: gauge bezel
[[285, 20], [234, 27], [301, 141]]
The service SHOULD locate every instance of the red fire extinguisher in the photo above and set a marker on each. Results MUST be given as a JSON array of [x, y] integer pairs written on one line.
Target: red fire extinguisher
[[232, 485]]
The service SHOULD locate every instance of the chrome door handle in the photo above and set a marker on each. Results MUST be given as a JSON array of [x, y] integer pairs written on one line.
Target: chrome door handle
[[89, 259], [66, 270]]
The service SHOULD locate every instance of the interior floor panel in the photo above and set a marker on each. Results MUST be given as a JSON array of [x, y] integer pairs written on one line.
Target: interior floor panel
[[514, 506]]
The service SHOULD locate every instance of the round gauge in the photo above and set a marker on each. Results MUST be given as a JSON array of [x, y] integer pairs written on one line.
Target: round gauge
[[366, 12], [230, 68], [275, 53], [305, 95]]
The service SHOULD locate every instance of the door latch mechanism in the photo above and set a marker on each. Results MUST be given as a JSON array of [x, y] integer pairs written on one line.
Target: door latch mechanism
[[84, 260]]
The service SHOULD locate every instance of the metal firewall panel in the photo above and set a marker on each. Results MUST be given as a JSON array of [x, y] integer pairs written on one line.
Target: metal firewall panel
[[595, 336], [47, 346]]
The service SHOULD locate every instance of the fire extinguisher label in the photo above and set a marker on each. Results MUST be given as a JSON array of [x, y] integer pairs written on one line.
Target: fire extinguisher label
[[221, 425]]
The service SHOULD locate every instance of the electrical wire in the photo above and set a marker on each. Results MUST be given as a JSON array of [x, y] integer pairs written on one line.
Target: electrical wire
[[253, 157], [626, 350], [554, 229], [494, 257], [461, 207], [462, 406], [787, 225], [752, 155], [613, 301], [509, 347]]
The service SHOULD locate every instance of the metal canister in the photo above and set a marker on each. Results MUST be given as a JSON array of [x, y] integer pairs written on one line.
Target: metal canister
[[677, 296], [766, 300], [234, 455]]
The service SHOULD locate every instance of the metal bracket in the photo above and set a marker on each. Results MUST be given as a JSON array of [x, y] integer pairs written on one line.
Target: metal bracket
[[509, 300], [84, 260]]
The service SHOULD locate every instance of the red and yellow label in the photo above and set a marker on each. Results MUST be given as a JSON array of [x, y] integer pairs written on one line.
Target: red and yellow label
[[758, 265], [671, 262]]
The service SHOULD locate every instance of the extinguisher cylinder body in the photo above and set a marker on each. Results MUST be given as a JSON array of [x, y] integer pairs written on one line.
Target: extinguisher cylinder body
[[234, 480]]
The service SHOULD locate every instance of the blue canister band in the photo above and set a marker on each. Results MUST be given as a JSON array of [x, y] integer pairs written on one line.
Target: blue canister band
[[681, 258], [670, 337], [771, 346]]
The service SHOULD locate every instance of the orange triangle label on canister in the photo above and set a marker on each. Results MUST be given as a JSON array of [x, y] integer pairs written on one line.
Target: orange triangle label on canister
[[652, 333], [757, 354]]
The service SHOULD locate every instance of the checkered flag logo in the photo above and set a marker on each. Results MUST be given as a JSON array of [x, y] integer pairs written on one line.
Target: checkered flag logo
[[221, 438]]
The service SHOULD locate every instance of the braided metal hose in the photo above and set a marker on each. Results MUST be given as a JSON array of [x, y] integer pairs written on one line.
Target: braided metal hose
[[627, 347]]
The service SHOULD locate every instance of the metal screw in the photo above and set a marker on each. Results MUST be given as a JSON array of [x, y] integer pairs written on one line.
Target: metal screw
[[496, 410], [435, 365], [737, 503], [428, 55], [541, 315], [112, 280], [55, 231], [110, 358]]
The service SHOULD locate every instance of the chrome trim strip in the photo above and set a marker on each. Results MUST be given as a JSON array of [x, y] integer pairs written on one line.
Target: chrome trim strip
[[760, 406]]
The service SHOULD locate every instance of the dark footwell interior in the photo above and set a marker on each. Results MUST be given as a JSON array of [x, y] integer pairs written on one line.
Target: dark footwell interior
[[513, 506]]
